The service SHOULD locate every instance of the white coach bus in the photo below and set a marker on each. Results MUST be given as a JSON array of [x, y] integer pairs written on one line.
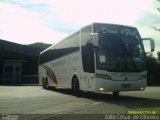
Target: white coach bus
[[98, 58]]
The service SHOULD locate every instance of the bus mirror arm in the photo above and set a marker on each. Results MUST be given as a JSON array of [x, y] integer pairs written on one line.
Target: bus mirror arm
[[152, 44], [95, 39]]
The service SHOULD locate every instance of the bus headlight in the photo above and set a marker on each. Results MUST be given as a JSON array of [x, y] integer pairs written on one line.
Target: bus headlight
[[142, 77], [101, 89]]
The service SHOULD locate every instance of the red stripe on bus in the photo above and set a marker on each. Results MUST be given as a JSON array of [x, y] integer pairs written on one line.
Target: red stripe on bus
[[51, 74], [54, 79]]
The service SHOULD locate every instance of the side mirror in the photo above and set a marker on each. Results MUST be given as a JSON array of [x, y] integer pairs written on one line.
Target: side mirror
[[152, 43], [95, 39]]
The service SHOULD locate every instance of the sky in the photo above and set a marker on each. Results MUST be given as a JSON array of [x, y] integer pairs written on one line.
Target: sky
[[49, 21]]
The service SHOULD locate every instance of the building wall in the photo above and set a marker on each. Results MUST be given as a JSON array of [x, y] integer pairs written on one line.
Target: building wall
[[1, 72], [24, 56], [30, 72], [12, 72]]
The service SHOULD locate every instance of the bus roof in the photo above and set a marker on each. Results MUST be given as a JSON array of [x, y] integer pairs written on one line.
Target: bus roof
[[92, 24]]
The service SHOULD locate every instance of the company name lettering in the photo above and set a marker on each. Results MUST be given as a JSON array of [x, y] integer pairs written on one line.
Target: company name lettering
[[59, 63]]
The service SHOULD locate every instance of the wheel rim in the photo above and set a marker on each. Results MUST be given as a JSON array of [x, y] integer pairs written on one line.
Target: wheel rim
[[76, 87]]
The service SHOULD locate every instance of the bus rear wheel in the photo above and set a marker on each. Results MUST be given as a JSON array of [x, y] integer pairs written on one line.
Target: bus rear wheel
[[46, 85], [43, 83], [75, 87]]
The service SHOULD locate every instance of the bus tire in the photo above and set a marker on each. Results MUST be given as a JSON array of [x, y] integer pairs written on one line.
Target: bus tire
[[75, 87], [46, 84], [115, 93], [43, 83]]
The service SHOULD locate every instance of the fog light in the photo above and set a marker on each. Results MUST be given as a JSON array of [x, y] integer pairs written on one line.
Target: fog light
[[101, 89], [142, 88]]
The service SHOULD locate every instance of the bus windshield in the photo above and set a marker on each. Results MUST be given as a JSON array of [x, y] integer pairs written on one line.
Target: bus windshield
[[120, 51]]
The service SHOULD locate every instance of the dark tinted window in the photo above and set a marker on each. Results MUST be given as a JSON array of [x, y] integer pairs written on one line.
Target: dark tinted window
[[68, 45], [87, 50], [9, 69]]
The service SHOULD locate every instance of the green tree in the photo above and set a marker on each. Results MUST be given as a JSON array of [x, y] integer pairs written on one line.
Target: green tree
[[158, 7], [156, 28], [158, 57], [39, 46], [152, 68], [151, 63]]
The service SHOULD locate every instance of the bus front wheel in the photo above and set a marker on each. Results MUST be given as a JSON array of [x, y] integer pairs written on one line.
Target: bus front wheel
[[115, 93], [75, 87]]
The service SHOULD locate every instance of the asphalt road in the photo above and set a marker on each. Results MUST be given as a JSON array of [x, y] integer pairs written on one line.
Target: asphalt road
[[35, 103]]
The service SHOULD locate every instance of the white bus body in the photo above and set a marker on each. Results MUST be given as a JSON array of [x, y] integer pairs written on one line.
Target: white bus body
[[98, 58]]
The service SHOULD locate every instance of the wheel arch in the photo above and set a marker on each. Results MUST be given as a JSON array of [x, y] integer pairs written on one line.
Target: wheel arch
[[75, 75]]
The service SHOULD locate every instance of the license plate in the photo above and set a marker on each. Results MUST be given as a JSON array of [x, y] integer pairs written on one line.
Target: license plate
[[126, 85]]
